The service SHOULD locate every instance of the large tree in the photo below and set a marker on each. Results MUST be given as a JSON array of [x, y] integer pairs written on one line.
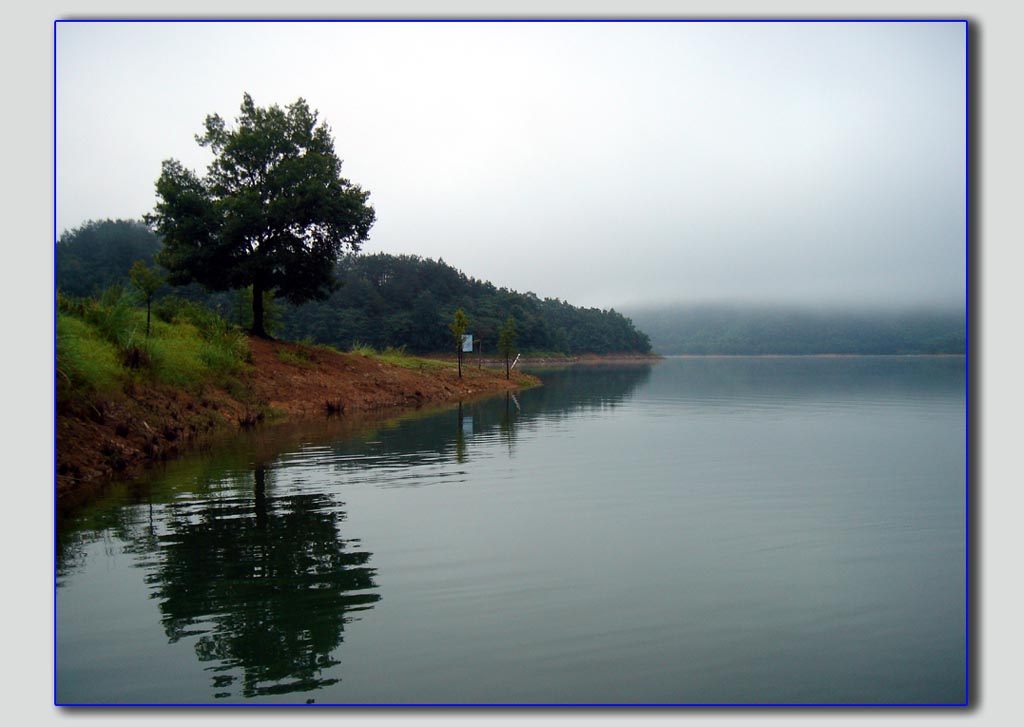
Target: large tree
[[273, 210]]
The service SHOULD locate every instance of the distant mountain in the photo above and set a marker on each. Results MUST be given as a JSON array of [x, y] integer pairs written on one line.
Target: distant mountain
[[724, 329]]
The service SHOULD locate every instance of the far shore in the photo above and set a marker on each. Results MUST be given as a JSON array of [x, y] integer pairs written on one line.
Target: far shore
[[472, 360], [813, 355]]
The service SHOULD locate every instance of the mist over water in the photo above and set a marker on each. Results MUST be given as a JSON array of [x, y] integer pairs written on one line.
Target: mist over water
[[704, 328]]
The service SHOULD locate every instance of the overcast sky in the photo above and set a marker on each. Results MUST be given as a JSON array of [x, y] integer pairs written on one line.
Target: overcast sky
[[607, 164]]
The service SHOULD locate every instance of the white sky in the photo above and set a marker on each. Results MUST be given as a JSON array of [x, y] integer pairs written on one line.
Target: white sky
[[602, 163]]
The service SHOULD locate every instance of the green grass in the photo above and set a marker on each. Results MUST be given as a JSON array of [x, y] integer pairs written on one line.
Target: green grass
[[180, 355], [402, 358], [297, 357], [102, 346], [362, 349], [86, 362]]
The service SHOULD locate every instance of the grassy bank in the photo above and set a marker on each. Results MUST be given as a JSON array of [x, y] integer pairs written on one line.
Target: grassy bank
[[126, 399], [104, 347]]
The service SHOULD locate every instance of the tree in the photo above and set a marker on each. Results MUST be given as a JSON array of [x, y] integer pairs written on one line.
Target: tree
[[507, 342], [459, 326], [273, 210], [99, 254], [146, 280]]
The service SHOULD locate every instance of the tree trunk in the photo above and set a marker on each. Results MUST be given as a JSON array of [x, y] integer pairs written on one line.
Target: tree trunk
[[460, 360], [257, 312], [149, 303], [507, 374]]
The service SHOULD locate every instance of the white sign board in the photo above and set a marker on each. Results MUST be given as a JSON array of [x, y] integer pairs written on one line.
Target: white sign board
[[467, 342]]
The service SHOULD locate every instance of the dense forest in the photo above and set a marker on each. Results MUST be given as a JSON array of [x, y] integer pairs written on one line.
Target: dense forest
[[387, 300], [381, 300], [97, 255], [719, 329], [407, 301]]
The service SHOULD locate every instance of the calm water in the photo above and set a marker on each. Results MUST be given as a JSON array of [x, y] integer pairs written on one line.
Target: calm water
[[697, 531]]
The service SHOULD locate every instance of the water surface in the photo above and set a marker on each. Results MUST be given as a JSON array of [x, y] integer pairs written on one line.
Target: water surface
[[698, 531]]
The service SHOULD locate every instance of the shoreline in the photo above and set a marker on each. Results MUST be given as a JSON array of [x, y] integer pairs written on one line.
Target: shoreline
[[557, 360], [119, 437]]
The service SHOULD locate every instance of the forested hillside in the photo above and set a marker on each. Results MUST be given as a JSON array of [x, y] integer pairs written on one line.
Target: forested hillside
[[710, 329], [387, 300], [382, 300], [96, 255]]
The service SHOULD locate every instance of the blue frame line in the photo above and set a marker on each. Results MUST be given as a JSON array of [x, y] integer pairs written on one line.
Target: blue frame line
[[53, 539]]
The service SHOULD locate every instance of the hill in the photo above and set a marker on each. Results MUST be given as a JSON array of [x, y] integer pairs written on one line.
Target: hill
[[382, 301], [749, 330]]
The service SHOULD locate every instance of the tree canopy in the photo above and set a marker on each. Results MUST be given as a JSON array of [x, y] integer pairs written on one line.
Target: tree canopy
[[147, 281], [273, 210], [99, 253], [384, 300], [404, 300]]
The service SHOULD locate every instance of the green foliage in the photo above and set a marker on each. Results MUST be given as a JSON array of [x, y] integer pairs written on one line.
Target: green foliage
[[99, 349], [362, 349], [459, 326], [115, 316], [86, 363], [98, 254], [395, 356], [403, 300], [272, 212], [507, 341], [387, 300], [401, 357], [146, 281], [507, 338], [241, 310], [183, 355], [296, 357]]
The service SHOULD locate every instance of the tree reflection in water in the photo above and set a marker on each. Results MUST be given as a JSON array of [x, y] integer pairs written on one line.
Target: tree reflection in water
[[266, 583]]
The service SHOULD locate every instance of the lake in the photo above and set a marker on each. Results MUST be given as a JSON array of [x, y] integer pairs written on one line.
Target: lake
[[693, 531]]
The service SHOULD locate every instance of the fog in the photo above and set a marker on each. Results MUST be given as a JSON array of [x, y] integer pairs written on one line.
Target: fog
[[607, 164]]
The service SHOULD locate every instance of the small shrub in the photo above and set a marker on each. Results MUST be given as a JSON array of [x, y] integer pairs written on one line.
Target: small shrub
[[362, 349], [70, 304], [115, 316]]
